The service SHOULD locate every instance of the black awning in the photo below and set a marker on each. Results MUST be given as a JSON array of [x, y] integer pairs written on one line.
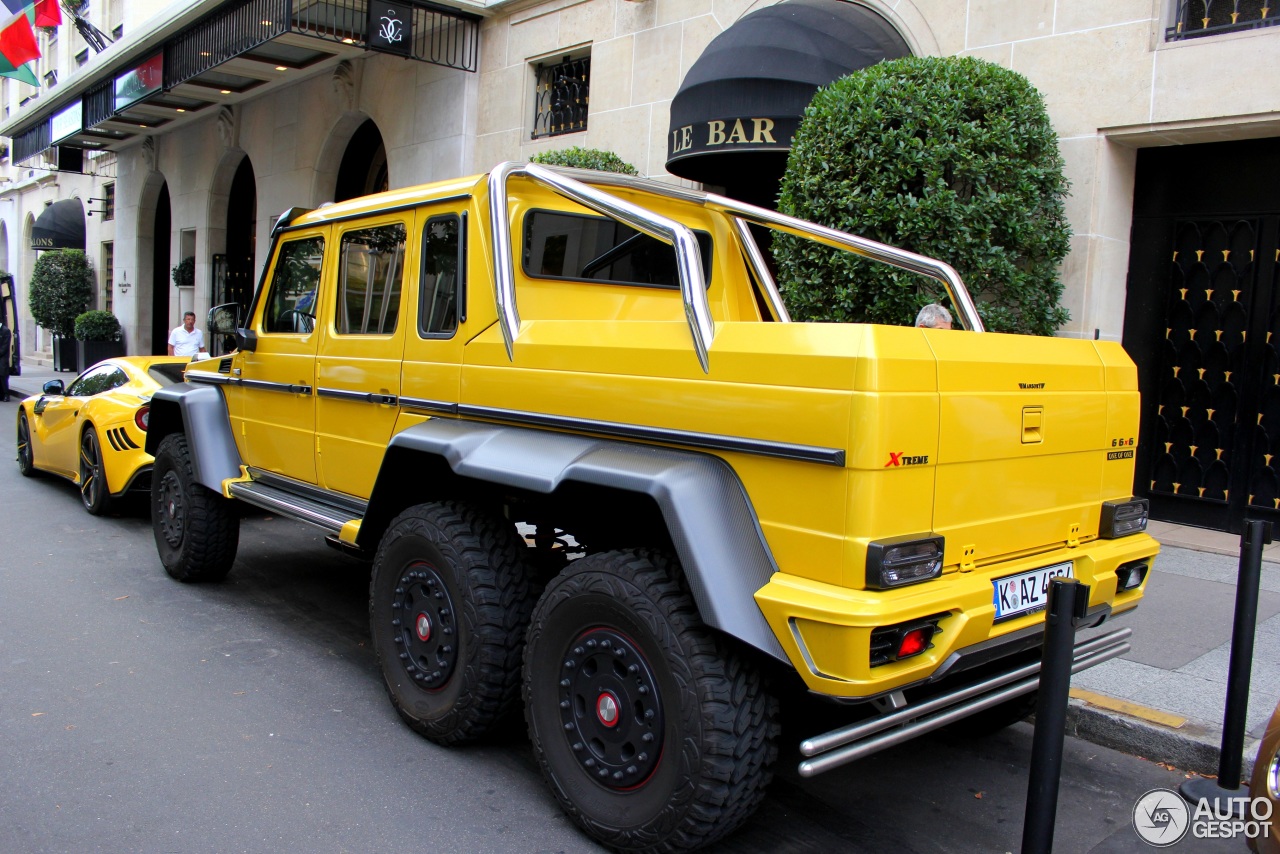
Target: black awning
[[61, 226], [748, 90]]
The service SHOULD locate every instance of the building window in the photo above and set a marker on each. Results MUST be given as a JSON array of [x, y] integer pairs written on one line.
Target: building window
[[50, 79], [562, 94], [108, 202], [1196, 18], [108, 273], [82, 57], [117, 32]]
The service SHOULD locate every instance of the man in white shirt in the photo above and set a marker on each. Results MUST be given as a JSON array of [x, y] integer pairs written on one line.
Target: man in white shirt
[[186, 340]]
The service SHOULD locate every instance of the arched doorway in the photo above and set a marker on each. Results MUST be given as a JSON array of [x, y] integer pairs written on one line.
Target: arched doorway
[[740, 103], [161, 230], [242, 215], [364, 164]]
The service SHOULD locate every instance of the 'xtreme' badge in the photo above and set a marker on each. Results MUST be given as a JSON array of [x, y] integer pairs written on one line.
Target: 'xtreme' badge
[[899, 459]]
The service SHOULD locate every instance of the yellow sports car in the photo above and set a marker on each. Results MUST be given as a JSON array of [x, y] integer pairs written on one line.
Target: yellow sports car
[[94, 431]]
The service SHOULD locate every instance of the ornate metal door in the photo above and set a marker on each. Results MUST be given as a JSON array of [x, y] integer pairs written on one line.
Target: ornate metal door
[[1208, 353]]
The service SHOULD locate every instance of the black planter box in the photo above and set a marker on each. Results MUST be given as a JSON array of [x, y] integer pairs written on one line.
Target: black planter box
[[65, 354], [92, 352]]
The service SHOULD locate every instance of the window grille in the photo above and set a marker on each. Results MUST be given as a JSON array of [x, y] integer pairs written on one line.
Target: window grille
[[1197, 18], [562, 97]]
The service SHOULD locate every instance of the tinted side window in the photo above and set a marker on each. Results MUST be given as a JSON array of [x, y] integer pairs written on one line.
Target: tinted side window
[[370, 272], [97, 381], [291, 302], [443, 269], [599, 249]]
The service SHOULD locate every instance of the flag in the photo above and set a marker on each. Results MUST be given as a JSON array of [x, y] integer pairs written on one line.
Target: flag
[[23, 72], [18, 41], [47, 13]]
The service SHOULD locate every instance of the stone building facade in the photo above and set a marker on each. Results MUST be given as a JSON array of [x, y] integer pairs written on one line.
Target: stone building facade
[[1121, 79]]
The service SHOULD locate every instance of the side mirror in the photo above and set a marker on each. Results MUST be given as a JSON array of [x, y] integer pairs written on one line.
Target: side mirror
[[246, 340], [224, 319], [54, 387]]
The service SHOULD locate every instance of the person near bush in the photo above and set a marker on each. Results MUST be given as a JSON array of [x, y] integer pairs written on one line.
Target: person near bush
[[6, 342], [186, 340], [934, 316]]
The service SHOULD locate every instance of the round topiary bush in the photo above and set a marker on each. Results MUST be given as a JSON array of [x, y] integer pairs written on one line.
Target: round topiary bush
[[951, 157], [61, 288], [97, 326], [585, 158]]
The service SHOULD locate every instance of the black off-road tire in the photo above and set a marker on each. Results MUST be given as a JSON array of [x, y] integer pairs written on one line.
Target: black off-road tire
[[94, 492], [654, 734], [197, 530], [26, 459], [449, 602]]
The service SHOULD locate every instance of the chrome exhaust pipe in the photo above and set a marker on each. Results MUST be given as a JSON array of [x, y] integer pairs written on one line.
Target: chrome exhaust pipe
[[830, 750]]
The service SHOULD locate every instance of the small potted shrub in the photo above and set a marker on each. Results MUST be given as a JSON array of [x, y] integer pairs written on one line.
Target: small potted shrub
[[585, 158], [184, 272], [61, 288], [97, 337]]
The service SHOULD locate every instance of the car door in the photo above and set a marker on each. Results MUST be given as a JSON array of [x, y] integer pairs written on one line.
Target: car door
[[359, 361], [274, 400], [56, 419], [433, 351]]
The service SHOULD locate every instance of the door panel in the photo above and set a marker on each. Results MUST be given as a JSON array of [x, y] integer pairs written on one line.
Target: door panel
[[274, 402], [1203, 324], [358, 369]]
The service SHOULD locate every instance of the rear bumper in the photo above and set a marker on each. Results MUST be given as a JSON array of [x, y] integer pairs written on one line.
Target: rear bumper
[[847, 744], [826, 630]]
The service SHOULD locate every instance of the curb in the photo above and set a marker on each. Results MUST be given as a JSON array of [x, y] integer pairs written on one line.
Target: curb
[[1191, 747]]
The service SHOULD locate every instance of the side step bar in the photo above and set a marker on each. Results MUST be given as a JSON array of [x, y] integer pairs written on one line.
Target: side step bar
[[322, 514], [849, 743]]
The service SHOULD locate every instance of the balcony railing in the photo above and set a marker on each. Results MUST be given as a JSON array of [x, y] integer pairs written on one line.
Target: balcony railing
[[1197, 18]]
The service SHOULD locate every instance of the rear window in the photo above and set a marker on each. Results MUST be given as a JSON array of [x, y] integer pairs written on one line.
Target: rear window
[[598, 249], [167, 374]]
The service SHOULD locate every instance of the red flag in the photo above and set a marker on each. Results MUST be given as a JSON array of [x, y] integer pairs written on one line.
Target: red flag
[[18, 42], [47, 13]]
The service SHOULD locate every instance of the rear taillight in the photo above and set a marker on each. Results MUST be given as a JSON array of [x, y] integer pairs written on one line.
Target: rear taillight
[[904, 640], [142, 417], [903, 560], [1129, 576], [1122, 518]]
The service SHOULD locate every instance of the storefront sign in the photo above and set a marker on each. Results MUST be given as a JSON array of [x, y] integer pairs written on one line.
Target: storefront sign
[[390, 27], [748, 133], [67, 122], [139, 82]]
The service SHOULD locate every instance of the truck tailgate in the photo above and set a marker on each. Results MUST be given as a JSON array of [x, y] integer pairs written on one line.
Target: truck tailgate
[[1025, 426]]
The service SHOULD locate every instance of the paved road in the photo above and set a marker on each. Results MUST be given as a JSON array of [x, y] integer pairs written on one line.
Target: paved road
[[139, 714]]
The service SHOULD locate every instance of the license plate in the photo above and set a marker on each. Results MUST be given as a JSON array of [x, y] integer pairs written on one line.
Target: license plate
[[1026, 592]]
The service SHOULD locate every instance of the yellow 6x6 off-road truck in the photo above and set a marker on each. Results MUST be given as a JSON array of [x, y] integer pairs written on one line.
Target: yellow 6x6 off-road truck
[[596, 466]]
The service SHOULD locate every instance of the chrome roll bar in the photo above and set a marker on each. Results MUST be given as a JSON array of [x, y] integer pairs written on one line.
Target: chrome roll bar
[[575, 184], [693, 287], [934, 269]]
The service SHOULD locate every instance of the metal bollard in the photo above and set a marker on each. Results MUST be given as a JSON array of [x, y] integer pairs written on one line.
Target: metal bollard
[[1257, 533], [1068, 604]]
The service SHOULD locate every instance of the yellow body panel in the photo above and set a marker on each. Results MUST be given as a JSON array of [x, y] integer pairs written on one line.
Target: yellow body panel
[[61, 420], [1005, 445]]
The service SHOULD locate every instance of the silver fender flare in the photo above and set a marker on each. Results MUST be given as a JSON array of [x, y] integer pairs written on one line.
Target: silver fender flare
[[199, 411]]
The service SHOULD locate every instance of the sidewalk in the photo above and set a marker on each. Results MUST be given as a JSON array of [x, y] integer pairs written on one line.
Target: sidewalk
[[1165, 699]]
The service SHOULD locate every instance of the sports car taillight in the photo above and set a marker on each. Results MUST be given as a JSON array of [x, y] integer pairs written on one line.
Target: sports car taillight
[[141, 417]]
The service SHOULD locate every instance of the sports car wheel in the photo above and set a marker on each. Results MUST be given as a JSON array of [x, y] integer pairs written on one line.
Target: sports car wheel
[[653, 733], [449, 602], [26, 461], [93, 481], [196, 529]]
